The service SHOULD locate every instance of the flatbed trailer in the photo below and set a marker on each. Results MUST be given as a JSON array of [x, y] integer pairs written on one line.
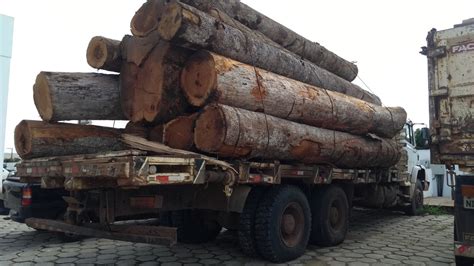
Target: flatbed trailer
[[271, 204]]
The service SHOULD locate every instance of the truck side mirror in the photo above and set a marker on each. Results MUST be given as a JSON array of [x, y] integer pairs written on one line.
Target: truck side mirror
[[425, 137]]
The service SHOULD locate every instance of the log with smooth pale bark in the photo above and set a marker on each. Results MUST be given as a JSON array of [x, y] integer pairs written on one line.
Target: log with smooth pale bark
[[77, 96], [235, 133], [312, 51], [189, 27], [35, 139], [104, 53], [179, 132], [150, 92], [208, 77]]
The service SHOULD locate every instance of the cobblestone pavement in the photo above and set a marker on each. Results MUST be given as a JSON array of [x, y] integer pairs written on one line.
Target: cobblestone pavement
[[375, 238]]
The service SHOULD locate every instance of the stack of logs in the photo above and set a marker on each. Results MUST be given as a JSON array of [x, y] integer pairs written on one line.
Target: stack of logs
[[219, 78]]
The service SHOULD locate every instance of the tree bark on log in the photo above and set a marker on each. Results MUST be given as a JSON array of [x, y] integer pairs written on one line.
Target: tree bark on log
[[208, 77], [104, 53], [311, 51], [150, 91], [179, 132], [35, 139], [236, 133], [77, 96], [188, 27], [137, 129]]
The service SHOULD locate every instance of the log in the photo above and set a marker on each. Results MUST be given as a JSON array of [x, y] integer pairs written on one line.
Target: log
[[179, 132], [77, 96], [150, 91], [208, 77], [156, 134], [104, 53], [137, 129], [136, 49], [292, 41], [236, 133], [35, 139], [188, 27]]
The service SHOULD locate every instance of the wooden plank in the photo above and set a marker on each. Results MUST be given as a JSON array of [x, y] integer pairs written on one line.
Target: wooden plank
[[142, 234]]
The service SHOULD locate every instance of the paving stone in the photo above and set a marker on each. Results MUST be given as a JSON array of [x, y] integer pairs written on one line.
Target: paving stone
[[204, 256], [167, 259], [128, 262], [375, 237], [358, 264], [171, 264], [107, 257], [390, 261], [85, 261], [66, 260], [146, 258], [367, 260], [210, 261]]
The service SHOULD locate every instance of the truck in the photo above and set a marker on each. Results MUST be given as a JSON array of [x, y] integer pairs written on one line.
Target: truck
[[450, 56], [277, 208]]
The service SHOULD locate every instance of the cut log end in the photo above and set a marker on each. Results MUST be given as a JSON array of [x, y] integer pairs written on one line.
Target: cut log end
[[97, 52], [170, 22], [146, 19], [199, 78], [22, 139], [210, 130], [41, 96], [179, 132]]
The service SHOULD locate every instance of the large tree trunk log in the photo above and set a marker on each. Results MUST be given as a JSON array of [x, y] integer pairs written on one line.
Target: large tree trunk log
[[189, 27], [150, 92], [35, 139], [77, 96], [208, 77], [156, 133], [312, 51], [136, 49], [104, 53], [179, 132], [233, 132], [137, 129]]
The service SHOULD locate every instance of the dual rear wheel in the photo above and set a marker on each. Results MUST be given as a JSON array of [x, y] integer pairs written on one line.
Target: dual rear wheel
[[277, 224]]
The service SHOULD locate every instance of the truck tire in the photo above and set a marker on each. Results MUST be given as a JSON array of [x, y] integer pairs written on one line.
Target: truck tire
[[246, 232], [463, 261], [3, 210], [194, 227], [330, 211], [282, 224], [416, 205]]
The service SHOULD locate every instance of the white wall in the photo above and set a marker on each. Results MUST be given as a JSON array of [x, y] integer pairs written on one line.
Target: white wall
[[6, 38]]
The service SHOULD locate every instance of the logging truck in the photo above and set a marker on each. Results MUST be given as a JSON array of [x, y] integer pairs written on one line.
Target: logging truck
[[450, 56], [235, 122], [277, 208]]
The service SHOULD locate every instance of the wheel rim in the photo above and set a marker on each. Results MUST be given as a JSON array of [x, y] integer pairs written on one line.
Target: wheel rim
[[336, 215], [292, 224]]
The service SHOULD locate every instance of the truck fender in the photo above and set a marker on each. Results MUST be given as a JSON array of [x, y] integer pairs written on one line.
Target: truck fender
[[237, 200], [419, 173]]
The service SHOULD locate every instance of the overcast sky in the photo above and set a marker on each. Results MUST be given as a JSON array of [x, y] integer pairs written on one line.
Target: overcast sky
[[383, 37]]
